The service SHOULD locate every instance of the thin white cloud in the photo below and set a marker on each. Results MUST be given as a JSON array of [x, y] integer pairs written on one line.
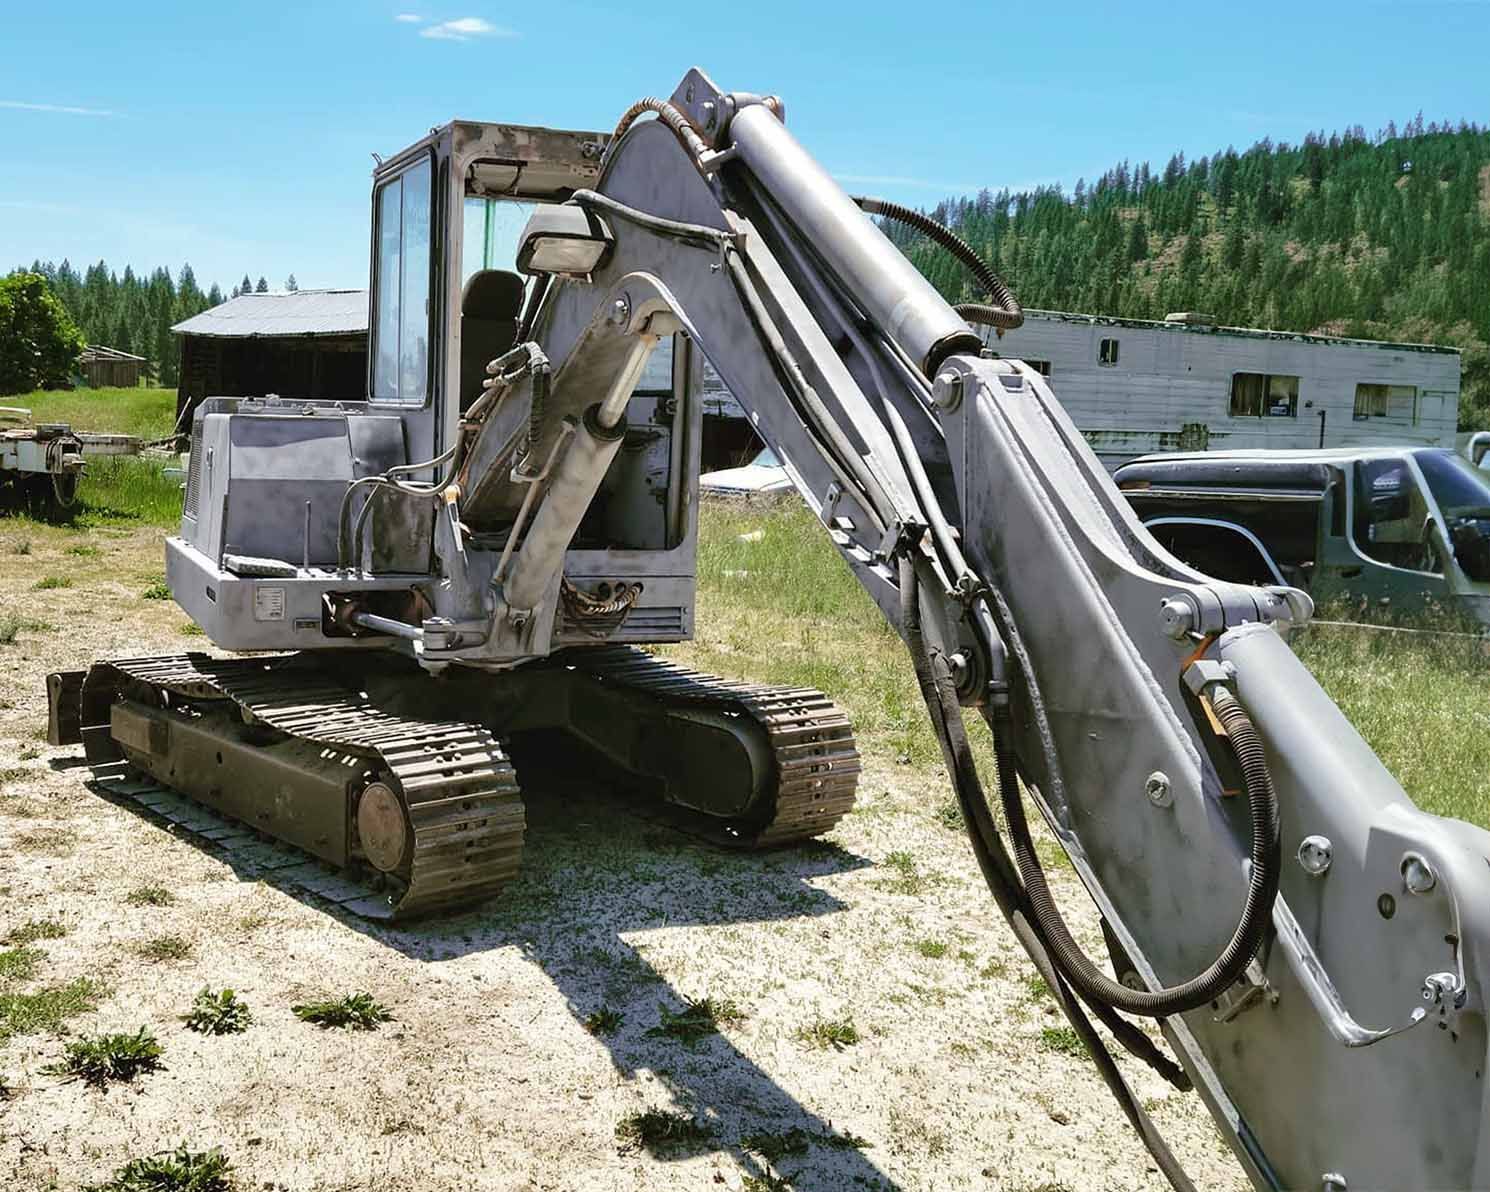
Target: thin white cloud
[[61, 109], [464, 29], [410, 18]]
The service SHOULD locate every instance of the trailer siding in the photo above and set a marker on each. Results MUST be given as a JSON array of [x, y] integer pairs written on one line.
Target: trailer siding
[[1170, 389]]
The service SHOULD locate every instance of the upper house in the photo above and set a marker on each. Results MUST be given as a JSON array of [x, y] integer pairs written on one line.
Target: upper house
[[1135, 386]]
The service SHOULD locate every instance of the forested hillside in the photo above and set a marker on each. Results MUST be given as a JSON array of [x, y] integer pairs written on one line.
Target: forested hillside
[[1385, 237], [135, 313]]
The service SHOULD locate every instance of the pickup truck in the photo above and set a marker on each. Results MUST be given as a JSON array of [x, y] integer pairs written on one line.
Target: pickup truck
[[1405, 529]]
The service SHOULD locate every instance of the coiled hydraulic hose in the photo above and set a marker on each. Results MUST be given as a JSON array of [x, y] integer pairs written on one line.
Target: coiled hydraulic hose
[[1005, 313], [1257, 911], [669, 115]]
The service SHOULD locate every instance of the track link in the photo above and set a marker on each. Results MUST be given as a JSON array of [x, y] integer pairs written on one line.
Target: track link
[[812, 742], [454, 780]]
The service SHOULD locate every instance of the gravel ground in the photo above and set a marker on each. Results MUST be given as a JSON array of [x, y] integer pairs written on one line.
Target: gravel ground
[[487, 1076]]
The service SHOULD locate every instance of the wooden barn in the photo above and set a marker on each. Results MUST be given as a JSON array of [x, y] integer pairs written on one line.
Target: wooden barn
[[109, 367], [310, 343]]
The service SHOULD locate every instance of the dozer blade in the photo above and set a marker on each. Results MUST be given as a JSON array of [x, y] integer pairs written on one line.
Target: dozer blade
[[417, 815]]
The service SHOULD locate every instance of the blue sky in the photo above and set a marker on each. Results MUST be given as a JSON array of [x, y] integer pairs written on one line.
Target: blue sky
[[238, 136]]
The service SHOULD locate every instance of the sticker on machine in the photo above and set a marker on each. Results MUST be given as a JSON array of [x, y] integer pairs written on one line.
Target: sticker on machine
[[269, 604]]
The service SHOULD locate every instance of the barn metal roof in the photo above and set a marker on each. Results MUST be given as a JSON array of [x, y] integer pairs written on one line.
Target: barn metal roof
[[96, 352], [302, 313]]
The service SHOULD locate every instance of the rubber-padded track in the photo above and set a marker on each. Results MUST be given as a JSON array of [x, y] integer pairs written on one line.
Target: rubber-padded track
[[812, 742], [458, 787]]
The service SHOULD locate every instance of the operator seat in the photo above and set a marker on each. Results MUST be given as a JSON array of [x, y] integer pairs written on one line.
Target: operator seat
[[490, 308]]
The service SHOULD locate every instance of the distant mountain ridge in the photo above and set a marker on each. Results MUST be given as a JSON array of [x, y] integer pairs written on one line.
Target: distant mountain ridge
[[1384, 238]]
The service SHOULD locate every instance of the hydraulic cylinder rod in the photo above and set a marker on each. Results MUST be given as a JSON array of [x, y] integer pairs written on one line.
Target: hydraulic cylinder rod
[[892, 291]]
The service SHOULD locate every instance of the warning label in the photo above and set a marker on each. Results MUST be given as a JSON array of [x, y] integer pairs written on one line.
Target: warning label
[[269, 604]]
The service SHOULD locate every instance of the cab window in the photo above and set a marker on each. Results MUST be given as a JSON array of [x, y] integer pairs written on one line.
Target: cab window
[[1391, 516], [401, 279]]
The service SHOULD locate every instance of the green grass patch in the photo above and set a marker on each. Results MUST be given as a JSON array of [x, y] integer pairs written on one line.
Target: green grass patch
[[180, 1170], [46, 1009], [698, 1019], [775, 1147], [220, 1013], [355, 1012], [149, 896], [931, 949], [83, 551], [104, 1059], [661, 1131], [837, 1033], [1422, 702], [148, 413], [157, 590], [905, 877], [164, 948], [36, 929], [1063, 1040], [191, 629], [12, 626], [124, 491], [48, 583], [18, 964]]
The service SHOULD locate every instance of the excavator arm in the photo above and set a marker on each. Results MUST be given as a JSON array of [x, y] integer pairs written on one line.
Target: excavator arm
[[1313, 947]]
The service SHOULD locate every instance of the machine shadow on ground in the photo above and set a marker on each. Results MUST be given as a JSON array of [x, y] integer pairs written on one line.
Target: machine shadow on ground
[[598, 869]]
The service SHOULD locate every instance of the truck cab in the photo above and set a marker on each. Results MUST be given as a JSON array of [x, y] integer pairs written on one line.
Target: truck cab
[[1403, 530]]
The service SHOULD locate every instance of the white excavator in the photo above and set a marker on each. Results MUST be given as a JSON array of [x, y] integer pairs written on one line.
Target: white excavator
[[471, 558]]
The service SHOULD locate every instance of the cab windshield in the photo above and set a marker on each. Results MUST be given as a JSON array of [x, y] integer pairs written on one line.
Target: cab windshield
[[1460, 488]]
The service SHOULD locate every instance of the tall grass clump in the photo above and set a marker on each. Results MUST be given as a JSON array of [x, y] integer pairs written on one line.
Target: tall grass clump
[[1422, 702]]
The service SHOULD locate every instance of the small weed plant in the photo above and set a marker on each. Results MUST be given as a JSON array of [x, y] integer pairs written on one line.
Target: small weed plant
[[661, 1131], [603, 1021], [103, 1059], [180, 1170], [355, 1012], [829, 1032], [149, 896], [220, 1013], [698, 1019]]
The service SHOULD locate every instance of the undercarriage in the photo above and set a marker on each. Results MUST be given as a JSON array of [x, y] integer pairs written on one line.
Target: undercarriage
[[402, 783]]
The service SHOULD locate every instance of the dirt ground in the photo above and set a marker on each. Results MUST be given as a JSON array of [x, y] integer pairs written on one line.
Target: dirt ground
[[487, 1077]]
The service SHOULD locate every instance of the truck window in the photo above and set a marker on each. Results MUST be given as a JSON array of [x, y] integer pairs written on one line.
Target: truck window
[[1397, 402], [401, 280], [1391, 516], [1217, 549], [1258, 395], [1107, 352]]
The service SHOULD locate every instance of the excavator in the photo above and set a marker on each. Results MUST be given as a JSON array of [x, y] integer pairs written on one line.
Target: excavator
[[420, 585]]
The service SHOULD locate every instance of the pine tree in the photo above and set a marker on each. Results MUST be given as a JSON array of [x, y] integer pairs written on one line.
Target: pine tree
[[291, 285], [262, 287]]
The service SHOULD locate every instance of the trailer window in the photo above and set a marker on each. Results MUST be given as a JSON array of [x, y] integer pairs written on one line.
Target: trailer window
[[1397, 402], [401, 281], [1040, 366], [1107, 352], [1259, 395]]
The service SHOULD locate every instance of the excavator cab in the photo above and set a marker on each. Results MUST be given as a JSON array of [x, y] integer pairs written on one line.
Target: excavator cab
[[301, 517]]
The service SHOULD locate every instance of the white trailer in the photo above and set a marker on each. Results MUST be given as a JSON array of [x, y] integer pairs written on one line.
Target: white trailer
[[1136, 386]]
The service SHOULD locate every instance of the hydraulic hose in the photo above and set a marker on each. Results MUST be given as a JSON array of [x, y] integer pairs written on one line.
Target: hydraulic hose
[[940, 695], [1262, 889], [1005, 313], [669, 116]]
